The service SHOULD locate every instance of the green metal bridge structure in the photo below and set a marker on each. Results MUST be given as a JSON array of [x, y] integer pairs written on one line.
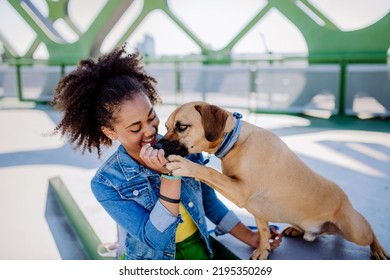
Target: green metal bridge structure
[[346, 72], [343, 77]]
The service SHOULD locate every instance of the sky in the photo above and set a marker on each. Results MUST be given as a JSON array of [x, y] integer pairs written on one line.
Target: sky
[[215, 22]]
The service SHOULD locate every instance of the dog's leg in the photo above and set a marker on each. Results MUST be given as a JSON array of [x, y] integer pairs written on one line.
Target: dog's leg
[[233, 189], [262, 252], [292, 232], [307, 235], [377, 251], [354, 227]]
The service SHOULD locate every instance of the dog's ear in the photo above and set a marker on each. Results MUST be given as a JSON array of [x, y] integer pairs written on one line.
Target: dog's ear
[[213, 120]]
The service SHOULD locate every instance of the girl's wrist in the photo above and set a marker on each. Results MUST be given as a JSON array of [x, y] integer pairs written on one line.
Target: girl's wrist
[[170, 187], [170, 177]]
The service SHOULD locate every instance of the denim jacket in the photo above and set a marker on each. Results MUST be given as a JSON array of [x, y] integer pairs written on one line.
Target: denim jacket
[[129, 192]]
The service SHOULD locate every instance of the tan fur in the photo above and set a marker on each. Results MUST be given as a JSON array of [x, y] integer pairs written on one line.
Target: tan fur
[[261, 174]]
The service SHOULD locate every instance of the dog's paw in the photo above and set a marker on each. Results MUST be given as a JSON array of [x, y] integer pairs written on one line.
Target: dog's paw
[[260, 254], [292, 232], [378, 253]]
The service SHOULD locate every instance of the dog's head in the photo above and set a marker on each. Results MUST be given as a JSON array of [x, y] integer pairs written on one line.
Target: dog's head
[[192, 128]]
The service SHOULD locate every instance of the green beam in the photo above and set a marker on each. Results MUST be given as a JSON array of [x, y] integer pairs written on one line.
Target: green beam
[[84, 230], [248, 27], [326, 43]]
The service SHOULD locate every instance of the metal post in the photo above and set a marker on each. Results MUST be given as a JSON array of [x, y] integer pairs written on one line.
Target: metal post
[[19, 81], [342, 93], [177, 82]]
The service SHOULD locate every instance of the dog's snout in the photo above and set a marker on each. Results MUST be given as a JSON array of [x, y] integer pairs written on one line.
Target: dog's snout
[[171, 147], [158, 145]]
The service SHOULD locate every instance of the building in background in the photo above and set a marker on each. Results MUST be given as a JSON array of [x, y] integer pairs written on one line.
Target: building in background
[[147, 47]]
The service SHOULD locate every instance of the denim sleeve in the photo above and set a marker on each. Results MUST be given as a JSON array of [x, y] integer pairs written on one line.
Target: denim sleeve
[[228, 222], [161, 218], [155, 228]]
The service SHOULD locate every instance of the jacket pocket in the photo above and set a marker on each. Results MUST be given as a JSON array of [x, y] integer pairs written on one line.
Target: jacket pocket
[[139, 192], [136, 250]]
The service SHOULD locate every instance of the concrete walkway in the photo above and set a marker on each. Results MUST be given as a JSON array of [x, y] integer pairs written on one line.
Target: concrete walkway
[[353, 153]]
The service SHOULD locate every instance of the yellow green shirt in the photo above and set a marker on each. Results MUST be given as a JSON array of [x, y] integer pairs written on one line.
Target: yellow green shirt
[[187, 228]]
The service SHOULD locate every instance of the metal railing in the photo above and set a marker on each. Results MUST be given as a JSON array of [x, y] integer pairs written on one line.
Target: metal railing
[[332, 89]]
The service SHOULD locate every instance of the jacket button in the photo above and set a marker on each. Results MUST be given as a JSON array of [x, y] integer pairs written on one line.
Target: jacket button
[[190, 204], [135, 192]]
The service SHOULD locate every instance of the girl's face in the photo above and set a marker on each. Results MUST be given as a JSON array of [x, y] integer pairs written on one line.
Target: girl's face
[[136, 125]]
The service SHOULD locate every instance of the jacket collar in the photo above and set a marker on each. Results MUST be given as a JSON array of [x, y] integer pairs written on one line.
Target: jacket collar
[[129, 166]]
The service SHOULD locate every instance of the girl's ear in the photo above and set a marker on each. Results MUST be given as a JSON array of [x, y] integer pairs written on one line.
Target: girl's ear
[[213, 120], [108, 132]]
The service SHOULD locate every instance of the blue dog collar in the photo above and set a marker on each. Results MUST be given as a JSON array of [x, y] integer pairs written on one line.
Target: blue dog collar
[[230, 138]]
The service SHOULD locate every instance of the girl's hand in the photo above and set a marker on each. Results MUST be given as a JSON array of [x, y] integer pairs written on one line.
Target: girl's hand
[[276, 238], [154, 158], [254, 238]]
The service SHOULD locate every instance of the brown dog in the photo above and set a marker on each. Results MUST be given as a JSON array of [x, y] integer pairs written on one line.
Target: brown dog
[[261, 174]]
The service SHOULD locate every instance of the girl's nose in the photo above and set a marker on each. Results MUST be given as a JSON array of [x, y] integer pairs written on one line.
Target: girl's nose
[[151, 130]]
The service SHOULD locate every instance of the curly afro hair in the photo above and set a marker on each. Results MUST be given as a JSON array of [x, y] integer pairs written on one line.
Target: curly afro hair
[[90, 95]]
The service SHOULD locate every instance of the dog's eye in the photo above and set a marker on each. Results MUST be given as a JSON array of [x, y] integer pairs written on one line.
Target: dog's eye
[[182, 128]]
